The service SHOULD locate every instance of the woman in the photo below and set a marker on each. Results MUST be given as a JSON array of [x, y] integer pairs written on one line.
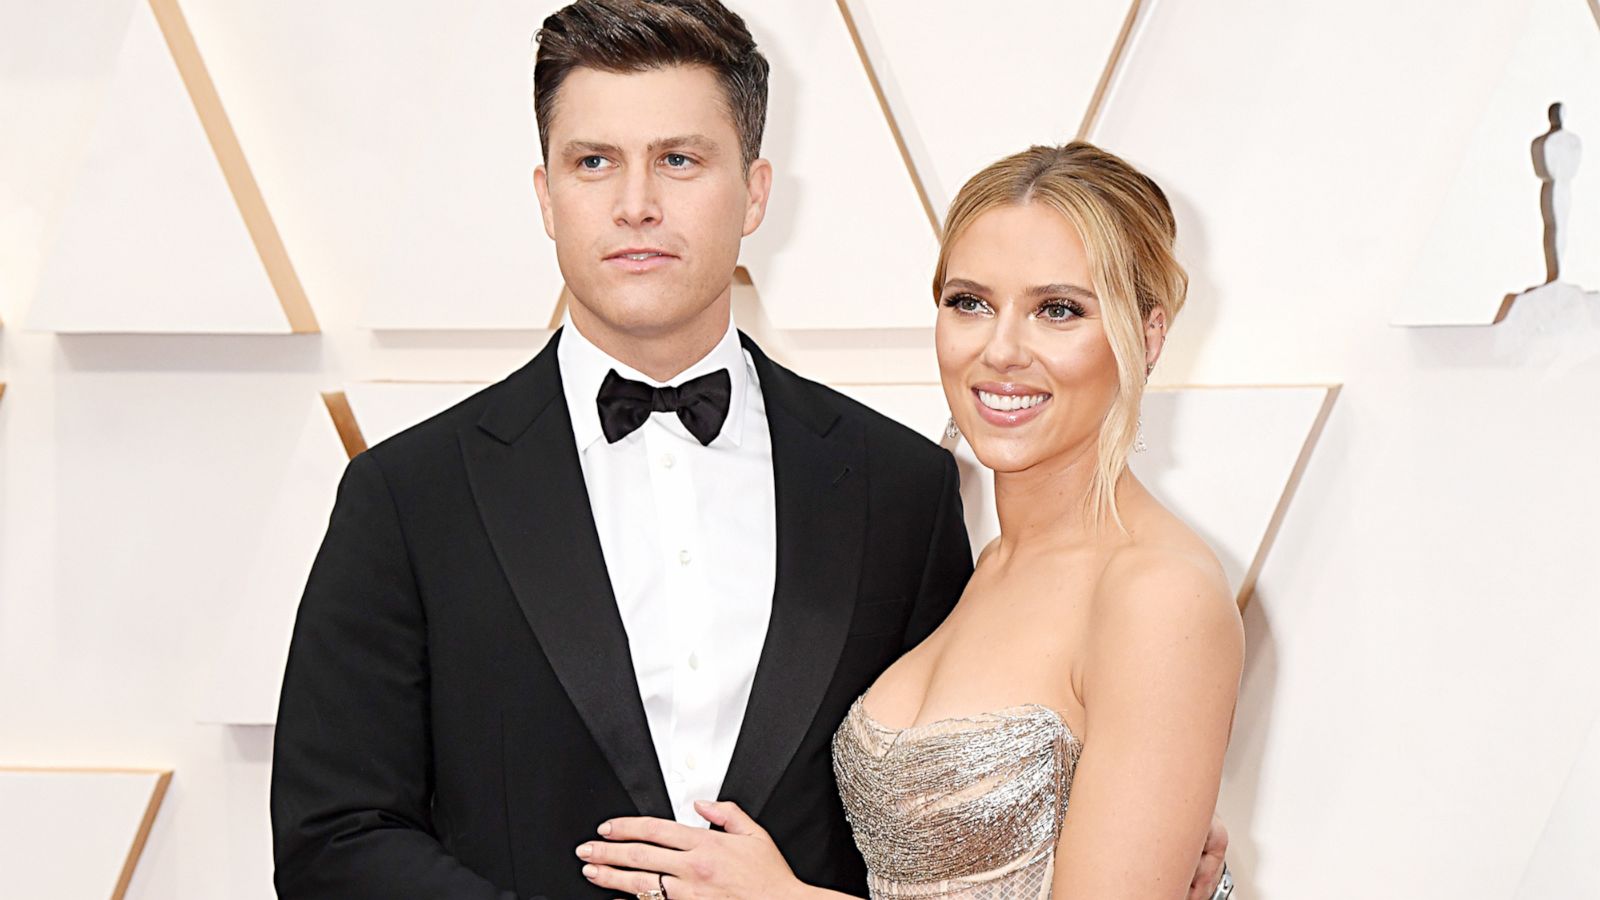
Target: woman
[[1062, 733]]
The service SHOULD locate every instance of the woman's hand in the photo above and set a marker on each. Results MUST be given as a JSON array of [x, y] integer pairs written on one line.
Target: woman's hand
[[738, 863]]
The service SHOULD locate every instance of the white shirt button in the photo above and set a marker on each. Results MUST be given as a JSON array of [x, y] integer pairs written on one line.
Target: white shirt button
[[683, 557], [694, 661], [667, 460], [689, 762]]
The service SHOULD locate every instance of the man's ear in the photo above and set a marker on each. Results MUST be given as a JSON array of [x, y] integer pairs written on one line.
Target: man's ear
[[758, 185], [541, 187]]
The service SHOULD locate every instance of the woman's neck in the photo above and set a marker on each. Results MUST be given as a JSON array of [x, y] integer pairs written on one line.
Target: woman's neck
[[1046, 502]]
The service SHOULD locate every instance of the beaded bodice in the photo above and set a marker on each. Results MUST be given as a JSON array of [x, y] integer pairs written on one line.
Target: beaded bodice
[[966, 808]]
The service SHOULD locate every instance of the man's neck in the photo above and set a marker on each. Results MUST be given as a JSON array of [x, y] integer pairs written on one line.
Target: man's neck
[[661, 355]]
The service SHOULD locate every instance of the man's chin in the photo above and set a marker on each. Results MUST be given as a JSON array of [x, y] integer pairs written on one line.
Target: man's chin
[[650, 318]]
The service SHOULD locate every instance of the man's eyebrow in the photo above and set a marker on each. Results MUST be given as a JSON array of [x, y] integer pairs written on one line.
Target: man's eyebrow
[[697, 142], [586, 148]]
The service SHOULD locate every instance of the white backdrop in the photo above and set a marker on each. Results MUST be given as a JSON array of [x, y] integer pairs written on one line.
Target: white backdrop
[[1419, 712]]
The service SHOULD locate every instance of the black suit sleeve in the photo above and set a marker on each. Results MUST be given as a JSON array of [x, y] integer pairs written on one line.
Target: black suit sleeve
[[351, 773], [948, 564]]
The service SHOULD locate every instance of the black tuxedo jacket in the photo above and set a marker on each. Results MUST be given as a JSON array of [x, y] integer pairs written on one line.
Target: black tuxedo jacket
[[459, 709]]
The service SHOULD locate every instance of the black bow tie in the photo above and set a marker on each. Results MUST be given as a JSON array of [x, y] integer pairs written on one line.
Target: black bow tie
[[701, 404]]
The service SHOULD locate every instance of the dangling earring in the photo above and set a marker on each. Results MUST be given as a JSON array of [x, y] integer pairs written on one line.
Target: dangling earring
[[952, 434], [1139, 446]]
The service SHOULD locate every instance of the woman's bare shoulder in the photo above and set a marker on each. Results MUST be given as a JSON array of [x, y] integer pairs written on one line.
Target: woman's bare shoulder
[[1165, 571]]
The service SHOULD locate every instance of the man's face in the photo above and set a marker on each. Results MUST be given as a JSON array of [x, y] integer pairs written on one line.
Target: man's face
[[646, 197]]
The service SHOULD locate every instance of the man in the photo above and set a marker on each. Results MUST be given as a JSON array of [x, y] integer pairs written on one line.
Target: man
[[649, 567]]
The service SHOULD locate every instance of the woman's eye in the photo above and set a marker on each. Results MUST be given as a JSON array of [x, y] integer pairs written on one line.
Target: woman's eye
[[966, 303], [1057, 312]]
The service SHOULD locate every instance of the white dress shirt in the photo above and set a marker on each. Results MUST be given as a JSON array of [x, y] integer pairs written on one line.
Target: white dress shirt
[[689, 534]]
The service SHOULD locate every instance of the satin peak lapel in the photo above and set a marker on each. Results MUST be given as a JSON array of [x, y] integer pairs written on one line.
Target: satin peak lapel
[[528, 484], [819, 482]]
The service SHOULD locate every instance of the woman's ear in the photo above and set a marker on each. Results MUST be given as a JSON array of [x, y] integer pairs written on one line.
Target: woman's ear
[[1155, 337]]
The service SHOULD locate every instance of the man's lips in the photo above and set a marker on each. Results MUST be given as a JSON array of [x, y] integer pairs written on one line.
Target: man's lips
[[638, 254], [639, 260]]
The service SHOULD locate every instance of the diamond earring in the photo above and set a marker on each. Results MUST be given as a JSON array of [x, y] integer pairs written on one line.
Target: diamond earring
[[952, 434], [1139, 446]]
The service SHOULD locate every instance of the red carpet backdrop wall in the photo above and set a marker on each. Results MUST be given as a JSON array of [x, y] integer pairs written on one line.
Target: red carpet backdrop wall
[[241, 240]]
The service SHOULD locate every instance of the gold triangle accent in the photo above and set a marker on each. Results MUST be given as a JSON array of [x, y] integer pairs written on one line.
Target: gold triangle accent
[[344, 421], [1247, 587], [1113, 62], [235, 169], [888, 115], [146, 822], [143, 835], [560, 312]]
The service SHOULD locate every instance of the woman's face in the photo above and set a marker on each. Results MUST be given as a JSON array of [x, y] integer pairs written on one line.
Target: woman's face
[[1027, 367]]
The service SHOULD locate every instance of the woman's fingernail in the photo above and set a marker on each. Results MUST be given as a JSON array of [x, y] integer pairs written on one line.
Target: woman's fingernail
[[590, 871], [585, 851], [605, 827]]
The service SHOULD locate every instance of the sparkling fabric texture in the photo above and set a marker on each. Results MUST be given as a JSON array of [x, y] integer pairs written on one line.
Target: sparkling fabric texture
[[966, 808]]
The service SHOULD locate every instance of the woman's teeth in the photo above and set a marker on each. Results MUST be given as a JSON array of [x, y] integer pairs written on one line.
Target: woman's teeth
[[1011, 402]]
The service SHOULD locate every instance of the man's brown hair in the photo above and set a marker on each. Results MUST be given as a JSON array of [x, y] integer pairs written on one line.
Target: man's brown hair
[[640, 35]]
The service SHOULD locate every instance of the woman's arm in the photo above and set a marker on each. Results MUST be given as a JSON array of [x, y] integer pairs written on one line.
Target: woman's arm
[[1160, 677]]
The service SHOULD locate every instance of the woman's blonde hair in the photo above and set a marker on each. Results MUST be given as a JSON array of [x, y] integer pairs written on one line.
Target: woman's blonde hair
[[1128, 229]]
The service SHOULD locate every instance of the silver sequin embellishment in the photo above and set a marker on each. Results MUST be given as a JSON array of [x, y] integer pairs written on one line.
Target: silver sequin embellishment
[[967, 808]]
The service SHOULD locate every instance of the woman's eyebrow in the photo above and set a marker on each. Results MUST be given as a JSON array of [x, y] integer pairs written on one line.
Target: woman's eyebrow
[[1070, 290]]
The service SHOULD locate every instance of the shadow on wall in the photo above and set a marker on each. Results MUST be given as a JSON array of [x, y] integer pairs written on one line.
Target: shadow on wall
[[1555, 159], [1241, 772], [778, 141], [1160, 458], [1556, 155], [1200, 311], [297, 353], [1553, 324]]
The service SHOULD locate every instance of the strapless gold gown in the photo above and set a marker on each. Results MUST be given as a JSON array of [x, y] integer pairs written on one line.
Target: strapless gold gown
[[966, 808]]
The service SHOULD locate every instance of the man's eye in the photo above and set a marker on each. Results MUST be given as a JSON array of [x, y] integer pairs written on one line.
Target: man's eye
[[678, 161], [592, 162]]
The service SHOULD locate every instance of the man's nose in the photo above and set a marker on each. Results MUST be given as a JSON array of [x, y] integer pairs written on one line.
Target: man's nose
[[639, 202]]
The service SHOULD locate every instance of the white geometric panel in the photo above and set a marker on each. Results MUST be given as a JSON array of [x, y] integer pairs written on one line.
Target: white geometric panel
[[248, 671], [847, 242], [74, 833], [1487, 242], [469, 250], [1565, 856], [964, 97], [159, 235], [1224, 459], [383, 409]]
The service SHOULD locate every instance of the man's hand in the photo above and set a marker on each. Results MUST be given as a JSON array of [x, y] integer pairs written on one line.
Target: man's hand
[[1209, 871]]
